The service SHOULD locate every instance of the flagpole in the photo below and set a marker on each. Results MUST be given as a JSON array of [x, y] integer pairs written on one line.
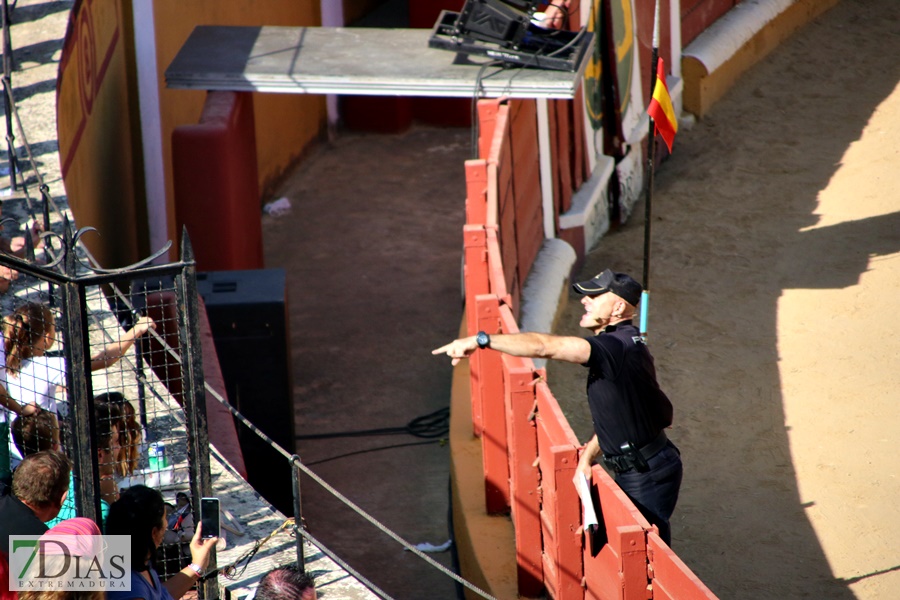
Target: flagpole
[[648, 204]]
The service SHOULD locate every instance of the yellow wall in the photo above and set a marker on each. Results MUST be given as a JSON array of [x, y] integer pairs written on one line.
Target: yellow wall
[[99, 123], [97, 145], [285, 123]]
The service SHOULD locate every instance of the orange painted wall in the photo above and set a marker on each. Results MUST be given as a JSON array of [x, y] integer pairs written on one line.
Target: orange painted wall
[[285, 123]]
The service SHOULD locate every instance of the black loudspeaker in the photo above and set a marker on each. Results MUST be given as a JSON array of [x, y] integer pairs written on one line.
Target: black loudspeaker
[[248, 315]]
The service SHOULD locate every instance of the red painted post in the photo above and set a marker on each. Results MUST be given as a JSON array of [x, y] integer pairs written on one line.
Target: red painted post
[[495, 266], [632, 550], [476, 192], [487, 121], [493, 436], [475, 273], [566, 520], [498, 142], [560, 507], [518, 375]]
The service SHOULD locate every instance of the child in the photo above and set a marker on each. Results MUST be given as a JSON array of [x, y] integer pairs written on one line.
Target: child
[[32, 377]]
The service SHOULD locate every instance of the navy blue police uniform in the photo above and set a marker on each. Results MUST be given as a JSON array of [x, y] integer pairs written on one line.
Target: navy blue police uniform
[[630, 412]]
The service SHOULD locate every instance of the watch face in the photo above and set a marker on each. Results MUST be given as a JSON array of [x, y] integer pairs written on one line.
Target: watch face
[[482, 339]]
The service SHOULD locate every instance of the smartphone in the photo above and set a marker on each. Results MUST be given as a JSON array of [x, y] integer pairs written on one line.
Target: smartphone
[[209, 517]]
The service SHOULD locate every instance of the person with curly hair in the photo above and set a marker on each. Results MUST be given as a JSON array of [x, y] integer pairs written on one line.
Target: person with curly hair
[[32, 377]]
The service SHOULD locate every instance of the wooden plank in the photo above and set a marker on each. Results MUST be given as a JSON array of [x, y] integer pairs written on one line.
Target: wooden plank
[[518, 375], [475, 273], [563, 149], [526, 184], [476, 191], [552, 417], [490, 383], [670, 577], [349, 60]]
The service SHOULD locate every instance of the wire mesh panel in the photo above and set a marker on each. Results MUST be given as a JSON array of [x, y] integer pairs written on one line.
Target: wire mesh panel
[[105, 367]]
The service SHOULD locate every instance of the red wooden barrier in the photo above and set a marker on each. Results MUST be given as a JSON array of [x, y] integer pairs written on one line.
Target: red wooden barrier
[[487, 124], [670, 577], [476, 192], [475, 269], [526, 185], [489, 380], [475, 272], [620, 569], [579, 150], [530, 452], [501, 156], [560, 514], [518, 377], [562, 155], [495, 267], [492, 193]]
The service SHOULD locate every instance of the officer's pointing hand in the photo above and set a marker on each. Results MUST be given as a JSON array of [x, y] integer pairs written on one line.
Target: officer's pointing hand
[[458, 349]]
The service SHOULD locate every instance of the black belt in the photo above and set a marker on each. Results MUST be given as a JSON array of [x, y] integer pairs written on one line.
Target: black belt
[[622, 462]]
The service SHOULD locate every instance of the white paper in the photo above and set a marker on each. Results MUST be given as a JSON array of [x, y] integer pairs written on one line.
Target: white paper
[[589, 516], [278, 208], [426, 547]]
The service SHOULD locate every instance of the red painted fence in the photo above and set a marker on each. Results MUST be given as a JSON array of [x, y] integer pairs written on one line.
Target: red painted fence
[[529, 450]]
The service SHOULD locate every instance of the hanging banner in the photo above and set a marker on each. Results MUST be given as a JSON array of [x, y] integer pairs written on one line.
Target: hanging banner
[[613, 96]]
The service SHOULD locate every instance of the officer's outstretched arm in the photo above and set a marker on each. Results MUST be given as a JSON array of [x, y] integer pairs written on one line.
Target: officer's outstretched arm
[[533, 345]]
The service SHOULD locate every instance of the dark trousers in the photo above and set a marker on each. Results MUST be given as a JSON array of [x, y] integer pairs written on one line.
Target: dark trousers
[[655, 492]]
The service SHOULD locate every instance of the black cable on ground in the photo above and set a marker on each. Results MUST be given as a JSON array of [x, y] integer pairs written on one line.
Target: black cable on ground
[[431, 426], [367, 450]]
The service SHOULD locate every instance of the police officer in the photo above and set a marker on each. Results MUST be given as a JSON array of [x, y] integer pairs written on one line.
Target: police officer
[[629, 410]]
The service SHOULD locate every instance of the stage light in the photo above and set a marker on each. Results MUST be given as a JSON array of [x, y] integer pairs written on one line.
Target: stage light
[[505, 30]]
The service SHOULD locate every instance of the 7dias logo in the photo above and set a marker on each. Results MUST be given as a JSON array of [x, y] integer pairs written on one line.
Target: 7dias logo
[[69, 562]]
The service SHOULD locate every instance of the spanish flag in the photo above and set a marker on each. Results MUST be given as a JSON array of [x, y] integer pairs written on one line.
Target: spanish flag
[[661, 107]]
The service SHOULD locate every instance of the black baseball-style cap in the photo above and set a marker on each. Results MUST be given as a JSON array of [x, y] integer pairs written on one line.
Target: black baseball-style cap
[[620, 284]]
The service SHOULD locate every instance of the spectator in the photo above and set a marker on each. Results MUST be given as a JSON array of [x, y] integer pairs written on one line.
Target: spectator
[[131, 437], [54, 562], [286, 583], [32, 376], [180, 520], [140, 512], [16, 247], [40, 486], [40, 431], [109, 422], [9, 408], [36, 433], [180, 531]]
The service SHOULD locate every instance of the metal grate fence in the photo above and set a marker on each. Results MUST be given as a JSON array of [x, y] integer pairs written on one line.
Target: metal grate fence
[[106, 364]]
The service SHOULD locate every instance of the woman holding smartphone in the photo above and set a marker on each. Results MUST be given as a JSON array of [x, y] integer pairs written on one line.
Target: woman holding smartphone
[[141, 513]]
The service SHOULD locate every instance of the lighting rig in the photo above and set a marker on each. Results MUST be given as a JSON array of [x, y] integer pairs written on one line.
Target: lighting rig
[[508, 31]]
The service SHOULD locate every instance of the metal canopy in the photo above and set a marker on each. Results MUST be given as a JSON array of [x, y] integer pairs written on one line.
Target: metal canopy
[[349, 60]]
